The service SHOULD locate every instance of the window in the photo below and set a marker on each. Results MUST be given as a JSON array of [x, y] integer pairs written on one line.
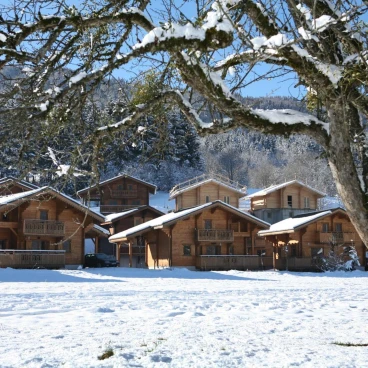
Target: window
[[292, 251], [227, 199], [3, 244], [261, 252], [136, 202], [231, 250], [269, 215], [248, 245], [208, 224], [44, 215], [120, 187], [338, 227], [207, 199], [187, 250], [130, 187], [67, 246], [40, 245], [290, 201], [306, 202], [325, 227]]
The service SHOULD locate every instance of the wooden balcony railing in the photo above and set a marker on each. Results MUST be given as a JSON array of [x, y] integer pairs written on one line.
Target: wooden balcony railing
[[239, 262], [32, 258], [44, 227], [233, 262], [123, 193], [233, 184], [344, 237], [109, 208], [224, 235]]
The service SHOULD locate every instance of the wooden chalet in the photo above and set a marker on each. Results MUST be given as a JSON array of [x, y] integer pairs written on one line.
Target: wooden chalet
[[211, 236], [282, 201], [10, 185], [207, 188], [117, 194], [118, 222], [298, 242], [45, 228]]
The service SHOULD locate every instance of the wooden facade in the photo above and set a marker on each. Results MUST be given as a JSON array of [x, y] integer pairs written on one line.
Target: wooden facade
[[118, 194], [282, 201], [45, 220], [10, 185], [119, 222], [180, 238], [205, 189], [313, 238]]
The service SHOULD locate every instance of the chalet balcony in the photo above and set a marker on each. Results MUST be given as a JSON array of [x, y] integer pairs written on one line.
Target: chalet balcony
[[338, 237], [223, 235], [124, 193], [44, 227], [116, 208], [255, 263], [32, 258]]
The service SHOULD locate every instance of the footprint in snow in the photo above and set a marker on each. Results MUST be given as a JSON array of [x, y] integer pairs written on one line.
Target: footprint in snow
[[174, 314], [159, 358], [105, 310]]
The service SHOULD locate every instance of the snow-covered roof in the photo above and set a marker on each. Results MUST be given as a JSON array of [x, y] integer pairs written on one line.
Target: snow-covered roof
[[117, 216], [101, 229], [291, 225], [273, 188], [4, 200], [204, 179], [151, 186], [172, 217], [11, 180], [15, 200]]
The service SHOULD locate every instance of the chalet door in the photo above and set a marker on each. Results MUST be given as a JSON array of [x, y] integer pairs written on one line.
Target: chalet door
[[3, 244], [213, 250], [40, 245]]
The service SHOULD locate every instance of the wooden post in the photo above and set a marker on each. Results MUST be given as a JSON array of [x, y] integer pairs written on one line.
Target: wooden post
[[170, 249], [117, 252], [157, 245], [96, 243], [130, 253]]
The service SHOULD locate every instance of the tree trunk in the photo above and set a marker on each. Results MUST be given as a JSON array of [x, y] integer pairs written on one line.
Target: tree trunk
[[344, 170]]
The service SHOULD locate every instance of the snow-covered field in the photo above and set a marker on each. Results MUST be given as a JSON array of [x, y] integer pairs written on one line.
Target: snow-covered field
[[181, 318]]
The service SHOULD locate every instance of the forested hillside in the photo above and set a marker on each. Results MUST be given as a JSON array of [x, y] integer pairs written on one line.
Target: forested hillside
[[164, 149]]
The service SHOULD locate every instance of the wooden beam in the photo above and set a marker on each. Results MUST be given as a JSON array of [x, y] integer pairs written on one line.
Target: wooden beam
[[130, 253], [14, 232], [157, 242], [171, 241]]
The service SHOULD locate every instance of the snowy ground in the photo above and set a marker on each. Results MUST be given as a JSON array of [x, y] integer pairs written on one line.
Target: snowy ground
[[181, 318]]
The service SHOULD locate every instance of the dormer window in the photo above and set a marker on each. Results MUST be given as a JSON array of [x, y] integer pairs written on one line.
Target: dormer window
[[290, 201], [306, 202], [207, 199]]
